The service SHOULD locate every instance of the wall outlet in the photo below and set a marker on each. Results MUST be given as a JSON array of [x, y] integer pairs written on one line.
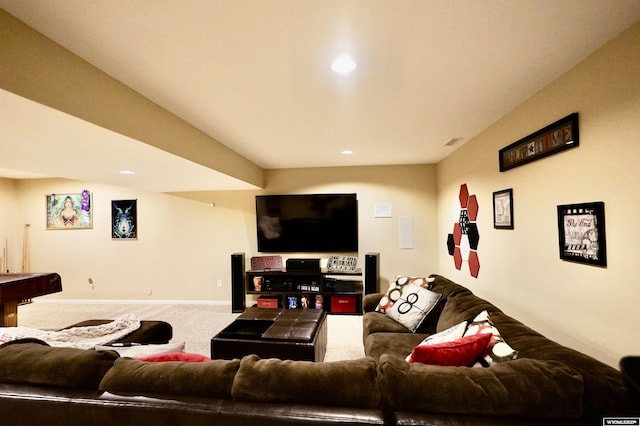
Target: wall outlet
[[219, 282]]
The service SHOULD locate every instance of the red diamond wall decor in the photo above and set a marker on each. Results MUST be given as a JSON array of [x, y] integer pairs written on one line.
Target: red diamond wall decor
[[462, 243]]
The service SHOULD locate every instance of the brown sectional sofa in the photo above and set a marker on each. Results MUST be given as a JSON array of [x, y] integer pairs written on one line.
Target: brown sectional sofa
[[547, 384]]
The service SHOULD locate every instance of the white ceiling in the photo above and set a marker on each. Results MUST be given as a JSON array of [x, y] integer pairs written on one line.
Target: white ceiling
[[255, 75]]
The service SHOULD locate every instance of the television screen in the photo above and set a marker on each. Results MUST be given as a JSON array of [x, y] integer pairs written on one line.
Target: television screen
[[307, 223]]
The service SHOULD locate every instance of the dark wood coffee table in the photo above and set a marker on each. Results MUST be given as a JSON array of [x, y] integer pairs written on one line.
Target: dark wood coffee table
[[296, 334]]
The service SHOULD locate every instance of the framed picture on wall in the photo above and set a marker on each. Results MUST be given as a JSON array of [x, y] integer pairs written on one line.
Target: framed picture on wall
[[503, 209], [124, 219], [69, 211], [581, 233]]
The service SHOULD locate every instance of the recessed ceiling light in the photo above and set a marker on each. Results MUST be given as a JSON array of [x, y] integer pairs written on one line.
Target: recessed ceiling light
[[346, 152], [127, 172], [343, 64]]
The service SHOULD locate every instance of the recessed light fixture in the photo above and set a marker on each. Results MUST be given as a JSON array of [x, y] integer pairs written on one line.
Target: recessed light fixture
[[346, 152], [127, 172], [343, 64]]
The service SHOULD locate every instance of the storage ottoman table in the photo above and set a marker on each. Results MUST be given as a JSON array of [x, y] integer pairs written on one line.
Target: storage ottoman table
[[296, 334]]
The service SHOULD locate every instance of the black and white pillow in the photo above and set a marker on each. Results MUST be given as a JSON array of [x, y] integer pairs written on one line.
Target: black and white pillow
[[413, 306], [499, 350]]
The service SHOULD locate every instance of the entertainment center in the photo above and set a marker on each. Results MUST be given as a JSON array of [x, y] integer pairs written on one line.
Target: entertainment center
[[336, 292], [305, 223]]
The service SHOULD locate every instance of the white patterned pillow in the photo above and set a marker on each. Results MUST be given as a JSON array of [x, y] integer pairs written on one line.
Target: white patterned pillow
[[395, 290], [499, 350], [412, 307], [448, 335]]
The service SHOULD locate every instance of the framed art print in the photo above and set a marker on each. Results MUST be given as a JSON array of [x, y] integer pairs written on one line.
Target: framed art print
[[554, 138], [581, 233], [69, 211], [503, 209], [124, 219]]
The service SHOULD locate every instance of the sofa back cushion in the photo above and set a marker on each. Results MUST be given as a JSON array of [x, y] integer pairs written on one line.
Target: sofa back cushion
[[350, 383], [34, 362], [464, 307], [208, 379], [523, 388]]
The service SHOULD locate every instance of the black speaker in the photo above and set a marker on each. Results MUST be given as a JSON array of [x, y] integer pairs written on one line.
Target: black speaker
[[310, 265], [238, 297], [371, 272]]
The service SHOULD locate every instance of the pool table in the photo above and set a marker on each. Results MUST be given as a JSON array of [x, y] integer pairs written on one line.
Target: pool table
[[17, 287]]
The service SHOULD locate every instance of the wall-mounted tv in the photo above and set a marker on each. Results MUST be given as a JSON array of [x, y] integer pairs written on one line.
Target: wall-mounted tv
[[307, 223]]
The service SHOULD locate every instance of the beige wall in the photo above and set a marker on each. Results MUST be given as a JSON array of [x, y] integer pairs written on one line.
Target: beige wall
[[592, 309], [184, 246], [181, 251], [9, 213]]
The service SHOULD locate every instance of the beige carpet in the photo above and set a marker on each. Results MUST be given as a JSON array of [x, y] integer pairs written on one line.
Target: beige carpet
[[193, 324]]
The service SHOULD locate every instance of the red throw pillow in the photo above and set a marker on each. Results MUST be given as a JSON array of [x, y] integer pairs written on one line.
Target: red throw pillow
[[175, 356], [462, 352]]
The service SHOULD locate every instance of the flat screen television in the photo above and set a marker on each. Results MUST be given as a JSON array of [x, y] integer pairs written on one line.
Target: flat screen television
[[307, 223]]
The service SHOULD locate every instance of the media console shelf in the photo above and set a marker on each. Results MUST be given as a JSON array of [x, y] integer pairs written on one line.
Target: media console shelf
[[336, 292]]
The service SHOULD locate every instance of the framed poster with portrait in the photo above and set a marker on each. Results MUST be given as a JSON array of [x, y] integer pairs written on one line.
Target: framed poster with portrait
[[70, 211], [581, 233], [124, 219]]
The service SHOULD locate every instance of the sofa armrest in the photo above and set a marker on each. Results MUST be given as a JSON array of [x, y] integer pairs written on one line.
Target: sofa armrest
[[370, 301]]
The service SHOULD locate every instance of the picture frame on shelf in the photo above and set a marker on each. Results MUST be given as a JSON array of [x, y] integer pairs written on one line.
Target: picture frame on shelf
[[581, 233], [503, 209]]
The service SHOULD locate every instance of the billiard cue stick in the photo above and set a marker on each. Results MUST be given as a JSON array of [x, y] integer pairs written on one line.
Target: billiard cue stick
[[25, 249]]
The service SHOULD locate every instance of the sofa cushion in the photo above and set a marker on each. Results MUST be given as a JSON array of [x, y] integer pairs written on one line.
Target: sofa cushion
[[210, 379], [376, 322], [350, 383], [499, 350], [523, 388], [36, 363], [395, 290], [413, 306], [400, 344], [461, 308], [446, 287]]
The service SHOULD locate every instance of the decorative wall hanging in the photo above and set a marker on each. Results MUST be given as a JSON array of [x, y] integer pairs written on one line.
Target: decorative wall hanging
[[462, 244], [124, 219], [69, 211], [556, 137], [581, 233], [503, 209]]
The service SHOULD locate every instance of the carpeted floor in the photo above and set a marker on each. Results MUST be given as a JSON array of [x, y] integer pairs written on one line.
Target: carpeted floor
[[193, 324]]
